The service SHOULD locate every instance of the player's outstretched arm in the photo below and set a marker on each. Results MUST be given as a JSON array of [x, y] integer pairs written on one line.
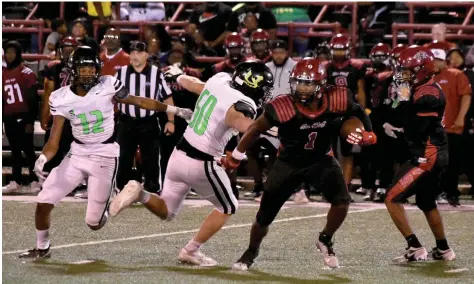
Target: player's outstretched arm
[[192, 84], [150, 104], [51, 147]]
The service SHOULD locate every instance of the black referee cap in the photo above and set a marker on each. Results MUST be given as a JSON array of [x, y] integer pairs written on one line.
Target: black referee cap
[[138, 45], [279, 44]]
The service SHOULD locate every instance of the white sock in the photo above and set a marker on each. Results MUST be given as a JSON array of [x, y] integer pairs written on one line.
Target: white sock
[[42, 239], [192, 246], [144, 196]]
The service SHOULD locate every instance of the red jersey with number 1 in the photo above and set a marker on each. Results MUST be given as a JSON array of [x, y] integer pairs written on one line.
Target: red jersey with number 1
[[16, 83], [306, 135]]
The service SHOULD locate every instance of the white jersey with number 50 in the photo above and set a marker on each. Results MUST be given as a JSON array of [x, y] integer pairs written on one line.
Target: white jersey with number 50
[[207, 130], [91, 116]]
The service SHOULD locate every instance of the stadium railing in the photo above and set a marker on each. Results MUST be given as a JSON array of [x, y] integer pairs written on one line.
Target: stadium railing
[[427, 36]]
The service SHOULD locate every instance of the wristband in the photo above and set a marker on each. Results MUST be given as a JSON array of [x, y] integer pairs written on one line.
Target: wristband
[[238, 155], [171, 109], [171, 121], [42, 158]]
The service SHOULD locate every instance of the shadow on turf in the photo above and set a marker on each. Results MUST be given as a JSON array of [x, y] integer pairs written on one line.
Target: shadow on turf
[[435, 269], [218, 272]]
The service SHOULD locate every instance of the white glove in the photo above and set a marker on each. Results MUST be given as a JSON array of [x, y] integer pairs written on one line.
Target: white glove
[[39, 165], [173, 72], [390, 130], [185, 113]]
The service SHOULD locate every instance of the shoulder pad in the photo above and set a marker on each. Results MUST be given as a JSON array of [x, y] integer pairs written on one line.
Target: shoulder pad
[[26, 70], [426, 91], [53, 63], [283, 107], [359, 64], [339, 98], [246, 108]]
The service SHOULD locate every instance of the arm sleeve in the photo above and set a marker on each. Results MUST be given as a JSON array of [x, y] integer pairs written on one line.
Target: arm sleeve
[[121, 92], [357, 111]]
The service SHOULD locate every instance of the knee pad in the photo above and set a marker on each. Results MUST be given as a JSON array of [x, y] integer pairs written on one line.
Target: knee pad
[[97, 225]]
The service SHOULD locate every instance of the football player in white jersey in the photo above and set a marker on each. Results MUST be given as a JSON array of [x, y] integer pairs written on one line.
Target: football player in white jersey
[[226, 106], [89, 105]]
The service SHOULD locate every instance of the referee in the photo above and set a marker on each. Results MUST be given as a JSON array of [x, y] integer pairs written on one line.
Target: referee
[[139, 127]]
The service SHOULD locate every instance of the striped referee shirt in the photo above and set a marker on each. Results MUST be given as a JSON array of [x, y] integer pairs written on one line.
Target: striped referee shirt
[[150, 83]]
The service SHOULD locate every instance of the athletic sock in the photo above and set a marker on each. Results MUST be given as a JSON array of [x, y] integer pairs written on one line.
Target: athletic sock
[[144, 196], [42, 239], [442, 244], [413, 241], [324, 238], [192, 246]]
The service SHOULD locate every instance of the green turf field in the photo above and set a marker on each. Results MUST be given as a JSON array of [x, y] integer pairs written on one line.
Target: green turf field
[[136, 247]]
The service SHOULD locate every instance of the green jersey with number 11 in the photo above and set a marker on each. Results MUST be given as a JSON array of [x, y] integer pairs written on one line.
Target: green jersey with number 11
[[91, 116], [207, 130]]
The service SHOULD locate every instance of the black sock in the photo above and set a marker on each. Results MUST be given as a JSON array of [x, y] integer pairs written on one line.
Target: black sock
[[257, 233], [324, 238], [413, 241], [442, 244]]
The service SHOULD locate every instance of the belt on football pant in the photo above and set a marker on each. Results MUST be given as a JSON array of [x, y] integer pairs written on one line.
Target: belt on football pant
[[190, 151]]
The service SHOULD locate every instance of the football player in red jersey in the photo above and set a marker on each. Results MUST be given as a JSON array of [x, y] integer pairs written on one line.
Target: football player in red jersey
[[306, 121], [57, 75], [344, 71], [378, 79], [20, 108], [260, 45], [422, 103]]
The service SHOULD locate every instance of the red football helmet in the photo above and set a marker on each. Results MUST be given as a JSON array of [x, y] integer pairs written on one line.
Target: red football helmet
[[395, 53], [380, 54], [307, 80], [260, 43], [340, 47], [234, 47], [415, 65], [66, 47]]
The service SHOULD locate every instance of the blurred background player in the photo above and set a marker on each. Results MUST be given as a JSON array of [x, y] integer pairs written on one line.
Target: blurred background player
[[422, 103], [260, 45], [305, 120], [20, 108], [113, 57], [344, 71], [226, 106]]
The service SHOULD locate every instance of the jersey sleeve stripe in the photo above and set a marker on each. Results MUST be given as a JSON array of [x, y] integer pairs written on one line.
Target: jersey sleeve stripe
[[422, 94], [287, 103], [427, 90], [279, 110], [344, 100], [435, 114]]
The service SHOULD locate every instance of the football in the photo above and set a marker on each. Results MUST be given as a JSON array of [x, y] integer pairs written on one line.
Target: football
[[349, 126]]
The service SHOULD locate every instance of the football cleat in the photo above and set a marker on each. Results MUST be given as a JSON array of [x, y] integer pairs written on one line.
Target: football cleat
[[438, 254], [362, 190], [329, 257], [369, 196], [129, 195], [195, 258], [412, 254], [300, 197], [36, 253], [380, 195], [245, 261]]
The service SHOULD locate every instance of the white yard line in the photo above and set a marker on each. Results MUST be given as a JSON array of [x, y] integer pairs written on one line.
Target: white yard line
[[184, 232]]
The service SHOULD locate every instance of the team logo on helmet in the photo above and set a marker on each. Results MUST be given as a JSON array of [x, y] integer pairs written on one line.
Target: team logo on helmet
[[321, 69], [252, 82], [420, 55]]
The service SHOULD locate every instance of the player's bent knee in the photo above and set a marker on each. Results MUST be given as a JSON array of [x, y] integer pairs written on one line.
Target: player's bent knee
[[95, 224], [426, 206]]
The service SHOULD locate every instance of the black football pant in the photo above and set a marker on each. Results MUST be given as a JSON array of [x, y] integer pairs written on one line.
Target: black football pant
[[460, 158], [20, 141], [143, 132]]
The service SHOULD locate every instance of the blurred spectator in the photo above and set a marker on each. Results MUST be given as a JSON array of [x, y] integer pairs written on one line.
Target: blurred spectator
[[455, 59], [438, 33], [101, 11], [281, 66], [295, 14], [250, 25], [470, 57], [322, 51], [457, 90], [159, 33], [179, 48], [265, 19], [139, 11], [20, 108], [234, 46], [197, 47], [211, 19], [79, 31], [113, 57], [260, 45], [59, 29]]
